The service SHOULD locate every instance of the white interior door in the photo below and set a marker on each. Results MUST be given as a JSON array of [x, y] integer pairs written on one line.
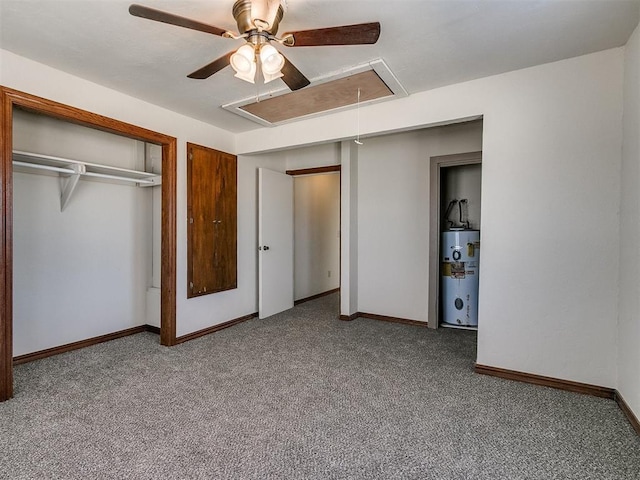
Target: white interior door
[[275, 242]]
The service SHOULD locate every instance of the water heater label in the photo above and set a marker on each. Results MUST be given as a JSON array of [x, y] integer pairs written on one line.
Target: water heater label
[[446, 269]]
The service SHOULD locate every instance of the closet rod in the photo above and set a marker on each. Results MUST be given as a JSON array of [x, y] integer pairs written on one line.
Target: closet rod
[[88, 174], [42, 167], [116, 177]]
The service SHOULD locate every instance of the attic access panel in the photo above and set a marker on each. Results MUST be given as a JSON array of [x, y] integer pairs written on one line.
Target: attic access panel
[[327, 95], [321, 98]]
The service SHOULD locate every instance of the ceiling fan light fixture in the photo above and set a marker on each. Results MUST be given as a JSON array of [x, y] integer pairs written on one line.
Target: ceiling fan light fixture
[[271, 61], [269, 77], [244, 63], [247, 77]]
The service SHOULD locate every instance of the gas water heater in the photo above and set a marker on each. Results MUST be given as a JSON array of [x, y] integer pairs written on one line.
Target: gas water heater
[[460, 263]]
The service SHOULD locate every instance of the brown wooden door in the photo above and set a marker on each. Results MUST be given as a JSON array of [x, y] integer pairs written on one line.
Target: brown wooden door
[[212, 221]]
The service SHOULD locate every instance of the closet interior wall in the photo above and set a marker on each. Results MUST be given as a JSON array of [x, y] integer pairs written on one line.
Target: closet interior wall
[[93, 268]]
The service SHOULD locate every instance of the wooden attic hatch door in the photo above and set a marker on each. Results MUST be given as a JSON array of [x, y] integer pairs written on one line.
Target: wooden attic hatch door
[[212, 253]]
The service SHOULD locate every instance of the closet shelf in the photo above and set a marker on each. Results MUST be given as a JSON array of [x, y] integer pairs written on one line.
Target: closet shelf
[[65, 165], [72, 170]]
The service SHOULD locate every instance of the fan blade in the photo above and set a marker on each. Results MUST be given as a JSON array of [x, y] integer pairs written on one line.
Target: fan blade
[[211, 68], [360, 34], [164, 17], [293, 77]]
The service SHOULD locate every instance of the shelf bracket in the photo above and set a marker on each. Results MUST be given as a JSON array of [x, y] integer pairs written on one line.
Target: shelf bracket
[[69, 183], [71, 171], [151, 181]]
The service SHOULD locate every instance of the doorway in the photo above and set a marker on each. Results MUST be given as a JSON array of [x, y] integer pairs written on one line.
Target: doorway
[[316, 232], [452, 177], [298, 236]]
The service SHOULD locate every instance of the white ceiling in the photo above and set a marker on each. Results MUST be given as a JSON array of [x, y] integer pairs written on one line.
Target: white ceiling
[[425, 43]]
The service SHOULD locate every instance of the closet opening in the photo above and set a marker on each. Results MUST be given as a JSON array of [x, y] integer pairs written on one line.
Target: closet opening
[[90, 195], [454, 240]]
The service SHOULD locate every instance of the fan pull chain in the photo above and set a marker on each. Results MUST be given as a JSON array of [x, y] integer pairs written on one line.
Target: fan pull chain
[[357, 140]]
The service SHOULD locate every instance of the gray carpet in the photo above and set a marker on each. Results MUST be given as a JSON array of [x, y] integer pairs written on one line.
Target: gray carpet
[[302, 395]]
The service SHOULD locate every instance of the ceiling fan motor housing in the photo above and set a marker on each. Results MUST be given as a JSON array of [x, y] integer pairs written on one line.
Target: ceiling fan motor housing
[[242, 14]]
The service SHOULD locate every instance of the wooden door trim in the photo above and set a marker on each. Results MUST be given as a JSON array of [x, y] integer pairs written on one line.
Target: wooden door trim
[[314, 170], [437, 163], [9, 99], [6, 256]]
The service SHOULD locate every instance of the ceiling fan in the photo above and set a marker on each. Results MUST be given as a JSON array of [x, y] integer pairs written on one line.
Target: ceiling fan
[[258, 22]]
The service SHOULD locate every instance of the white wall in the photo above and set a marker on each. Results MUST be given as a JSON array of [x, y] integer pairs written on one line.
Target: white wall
[[548, 284], [312, 156], [349, 152], [153, 154], [552, 141], [316, 227], [393, 220], [82, 272], [629, 322]]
